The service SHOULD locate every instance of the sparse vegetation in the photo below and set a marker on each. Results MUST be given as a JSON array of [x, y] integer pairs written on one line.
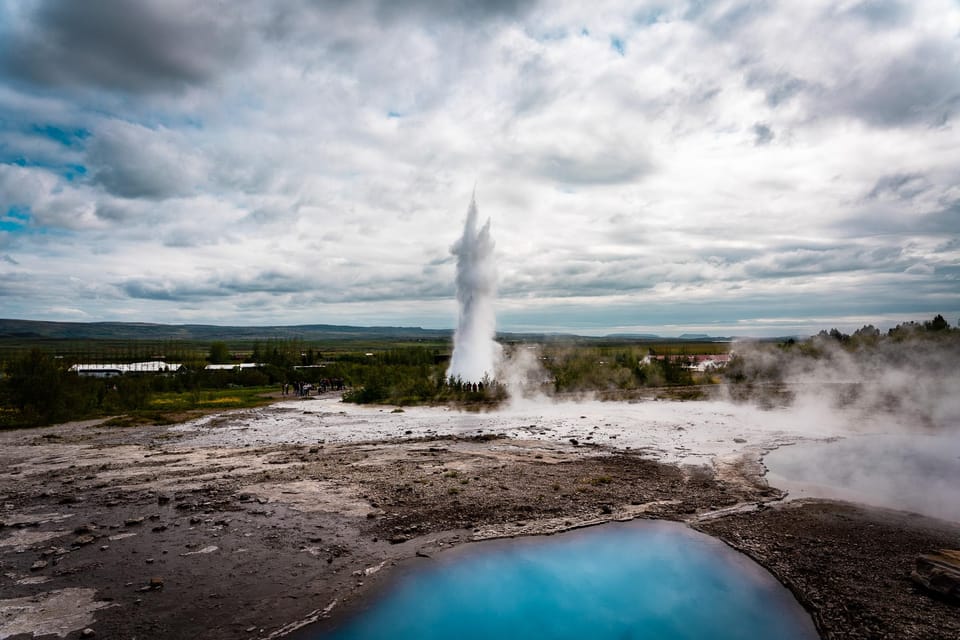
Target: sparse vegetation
[[37, 387]]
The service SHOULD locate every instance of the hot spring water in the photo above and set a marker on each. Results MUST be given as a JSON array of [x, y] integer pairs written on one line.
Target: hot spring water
[[918, 473], [654, 580]]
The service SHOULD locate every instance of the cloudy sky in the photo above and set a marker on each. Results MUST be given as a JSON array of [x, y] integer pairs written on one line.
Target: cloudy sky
[[741, 167]]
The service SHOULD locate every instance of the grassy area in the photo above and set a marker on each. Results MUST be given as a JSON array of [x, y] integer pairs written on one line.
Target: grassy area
[[172, 407], [211, 399]]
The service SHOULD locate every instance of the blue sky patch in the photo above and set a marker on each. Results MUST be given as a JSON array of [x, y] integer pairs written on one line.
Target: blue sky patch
[[649, 17], [617, 45], [66, 137], [70, 172], [15, 219]]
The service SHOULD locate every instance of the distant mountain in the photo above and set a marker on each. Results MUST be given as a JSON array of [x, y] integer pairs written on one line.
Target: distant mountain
[[44, 330], [38, 329], [694, 337]]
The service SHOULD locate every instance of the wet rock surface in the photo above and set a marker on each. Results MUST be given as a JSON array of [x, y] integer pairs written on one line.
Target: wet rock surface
[[168, 539], [850, 566]]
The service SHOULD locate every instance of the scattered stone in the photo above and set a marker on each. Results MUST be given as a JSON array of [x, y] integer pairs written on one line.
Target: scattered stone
[[205, 550], [574, 441], [104, 547], [740, 440], [422, 554], [83, 540], [88, 633], [159, 528], [156, 583], [121, 536], [132, 522], [39, 564], [84, 529]]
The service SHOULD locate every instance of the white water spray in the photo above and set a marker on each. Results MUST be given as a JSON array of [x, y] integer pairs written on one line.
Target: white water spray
[[475, 352]]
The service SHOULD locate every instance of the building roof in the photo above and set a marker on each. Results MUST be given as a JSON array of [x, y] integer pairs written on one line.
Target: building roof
[[153, 366], [232, 367]]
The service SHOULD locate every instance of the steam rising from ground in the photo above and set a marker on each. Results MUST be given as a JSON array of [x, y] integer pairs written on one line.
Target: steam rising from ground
[[912, 383], [903, 393], [475, 352]]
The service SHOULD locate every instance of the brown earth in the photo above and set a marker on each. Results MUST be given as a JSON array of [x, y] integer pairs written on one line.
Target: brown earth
[[137, 535]]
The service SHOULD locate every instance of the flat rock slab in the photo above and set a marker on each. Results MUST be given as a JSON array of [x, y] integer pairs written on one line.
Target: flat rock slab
[[53, 613], [939, 573]]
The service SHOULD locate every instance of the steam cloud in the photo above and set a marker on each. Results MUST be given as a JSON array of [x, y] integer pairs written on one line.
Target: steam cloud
[[912, 382], [475, 352]]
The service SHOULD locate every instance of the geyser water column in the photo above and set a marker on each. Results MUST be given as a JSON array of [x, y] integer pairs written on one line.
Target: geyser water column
[[475, 352]]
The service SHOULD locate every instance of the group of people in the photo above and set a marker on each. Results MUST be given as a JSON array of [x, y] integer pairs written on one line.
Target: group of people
[[302, 389]]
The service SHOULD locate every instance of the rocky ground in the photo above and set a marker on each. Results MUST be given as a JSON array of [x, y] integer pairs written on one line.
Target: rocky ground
[[123, 532]]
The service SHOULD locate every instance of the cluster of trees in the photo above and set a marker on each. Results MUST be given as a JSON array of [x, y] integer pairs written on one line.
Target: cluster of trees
[[37, 388], [626, 368], [414, 375], [919, 344], [869, 334]]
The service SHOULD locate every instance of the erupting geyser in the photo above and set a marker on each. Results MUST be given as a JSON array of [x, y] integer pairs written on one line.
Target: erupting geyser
[[475, 352]]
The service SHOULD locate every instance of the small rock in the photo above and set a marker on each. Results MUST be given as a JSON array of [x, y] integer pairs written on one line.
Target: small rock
[[104, 547], [131, 522], [160, 528], [83, 540], [423, 554], [39, 564], [88, 633], [740, 440], [156, 583], [162, 499]]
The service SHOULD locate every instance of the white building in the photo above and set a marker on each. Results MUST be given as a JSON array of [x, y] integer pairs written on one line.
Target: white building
[[112, 370], [232, 367]]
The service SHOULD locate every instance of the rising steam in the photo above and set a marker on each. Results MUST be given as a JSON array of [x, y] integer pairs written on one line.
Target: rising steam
[[475, 352]]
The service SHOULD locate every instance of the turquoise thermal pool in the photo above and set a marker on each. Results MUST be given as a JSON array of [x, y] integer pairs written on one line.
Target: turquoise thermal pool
[[640, 580]]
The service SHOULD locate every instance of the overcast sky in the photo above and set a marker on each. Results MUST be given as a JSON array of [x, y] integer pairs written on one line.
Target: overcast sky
[[730, 167]]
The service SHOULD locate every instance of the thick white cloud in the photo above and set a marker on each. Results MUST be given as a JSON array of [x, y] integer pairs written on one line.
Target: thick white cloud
[[728, 166]]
